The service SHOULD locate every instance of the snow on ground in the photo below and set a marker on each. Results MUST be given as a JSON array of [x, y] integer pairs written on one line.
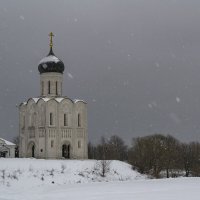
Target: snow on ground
[[23, 181], [34, 172]]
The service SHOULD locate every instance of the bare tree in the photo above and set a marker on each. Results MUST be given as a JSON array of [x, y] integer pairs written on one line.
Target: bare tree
[[190, 156], [103, 165], [117, 150], [148, 154], [171, 155], [92, 151]]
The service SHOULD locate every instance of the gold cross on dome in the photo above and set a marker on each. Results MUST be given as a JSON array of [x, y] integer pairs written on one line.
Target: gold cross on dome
[[51, 39]]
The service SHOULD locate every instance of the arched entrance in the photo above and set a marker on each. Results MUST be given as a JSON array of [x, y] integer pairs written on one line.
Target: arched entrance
[[66, 151], [31, 150]]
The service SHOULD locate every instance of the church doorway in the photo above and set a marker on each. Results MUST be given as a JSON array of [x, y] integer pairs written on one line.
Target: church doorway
[[31, 150], [66, 151], [4, 151], [3, 154]]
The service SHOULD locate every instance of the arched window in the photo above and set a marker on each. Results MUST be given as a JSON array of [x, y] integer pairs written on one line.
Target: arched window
[[51, 119], [49, 87], [79, 119], [56, 87], [79, 144], [41, 117], [31, 119], [52, 143], [42, 87], [65, 119], [23, 121], [34, 119]]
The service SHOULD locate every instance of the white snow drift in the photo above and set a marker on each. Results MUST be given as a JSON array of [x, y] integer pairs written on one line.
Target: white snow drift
[[34, 172], [31, 179]]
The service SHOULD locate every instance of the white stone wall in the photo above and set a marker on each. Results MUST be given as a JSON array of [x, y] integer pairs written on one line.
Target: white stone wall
[[47, 139], [12, 152], [52, 80]]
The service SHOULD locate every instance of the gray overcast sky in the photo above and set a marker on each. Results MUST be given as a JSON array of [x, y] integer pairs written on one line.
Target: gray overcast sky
[[136, 62]]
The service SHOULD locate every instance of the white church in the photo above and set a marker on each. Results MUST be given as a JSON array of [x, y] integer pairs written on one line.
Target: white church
[[53, 126]]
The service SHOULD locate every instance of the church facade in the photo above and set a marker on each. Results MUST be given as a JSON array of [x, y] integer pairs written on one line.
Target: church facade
[[53, 126]]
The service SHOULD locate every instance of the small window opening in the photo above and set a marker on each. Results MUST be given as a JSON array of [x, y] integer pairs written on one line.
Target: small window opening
[[49, 87], [51, 119], [79, 144], [42, 87], [52, 143], [56, 87], [23, 122], [65, 120], [79, 120]]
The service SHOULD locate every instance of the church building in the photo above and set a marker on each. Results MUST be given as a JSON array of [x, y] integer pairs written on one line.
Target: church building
[[7, 149], [53, 126]]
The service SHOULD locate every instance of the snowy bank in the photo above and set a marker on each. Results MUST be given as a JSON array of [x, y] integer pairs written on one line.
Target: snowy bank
[[34, 172], [31, 179]]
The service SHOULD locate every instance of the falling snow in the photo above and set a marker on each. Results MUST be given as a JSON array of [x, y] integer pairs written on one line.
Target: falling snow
[[109, 67], [157, 64], [21, 17], [150, 106], [70, 75], [178, 99]]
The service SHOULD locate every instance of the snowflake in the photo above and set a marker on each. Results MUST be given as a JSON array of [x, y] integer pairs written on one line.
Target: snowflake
[[178, 99]]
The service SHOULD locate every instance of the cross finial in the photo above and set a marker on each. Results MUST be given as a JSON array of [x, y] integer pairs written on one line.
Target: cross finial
[[51, 39]]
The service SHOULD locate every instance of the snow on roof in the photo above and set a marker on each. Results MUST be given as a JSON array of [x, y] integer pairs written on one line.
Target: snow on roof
[[35, 99], [7, 142], [49, 58], [78, 100], [46, 99], [58, 99]]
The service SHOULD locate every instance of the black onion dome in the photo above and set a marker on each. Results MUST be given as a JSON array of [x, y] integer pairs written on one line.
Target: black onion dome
[[51, 63]]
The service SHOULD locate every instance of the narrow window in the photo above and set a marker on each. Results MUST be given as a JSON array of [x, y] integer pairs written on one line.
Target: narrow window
[[49, 87], [79, 144], [51, 119], [42, 87], [52, 143], [79, 120], [56, 87], [65, 120], [23, 122]]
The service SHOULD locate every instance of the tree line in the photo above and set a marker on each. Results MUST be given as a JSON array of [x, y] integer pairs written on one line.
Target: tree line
[[155, 155]]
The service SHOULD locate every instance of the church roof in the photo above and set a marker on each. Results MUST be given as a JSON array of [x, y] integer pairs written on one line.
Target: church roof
[[51, 63], [58, 99], [6, 142]]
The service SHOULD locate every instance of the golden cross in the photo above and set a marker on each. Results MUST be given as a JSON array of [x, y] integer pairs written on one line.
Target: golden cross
[[51, 39]]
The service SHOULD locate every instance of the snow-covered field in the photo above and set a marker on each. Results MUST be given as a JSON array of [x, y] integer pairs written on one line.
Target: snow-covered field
[[33, 179], [34, 172]]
